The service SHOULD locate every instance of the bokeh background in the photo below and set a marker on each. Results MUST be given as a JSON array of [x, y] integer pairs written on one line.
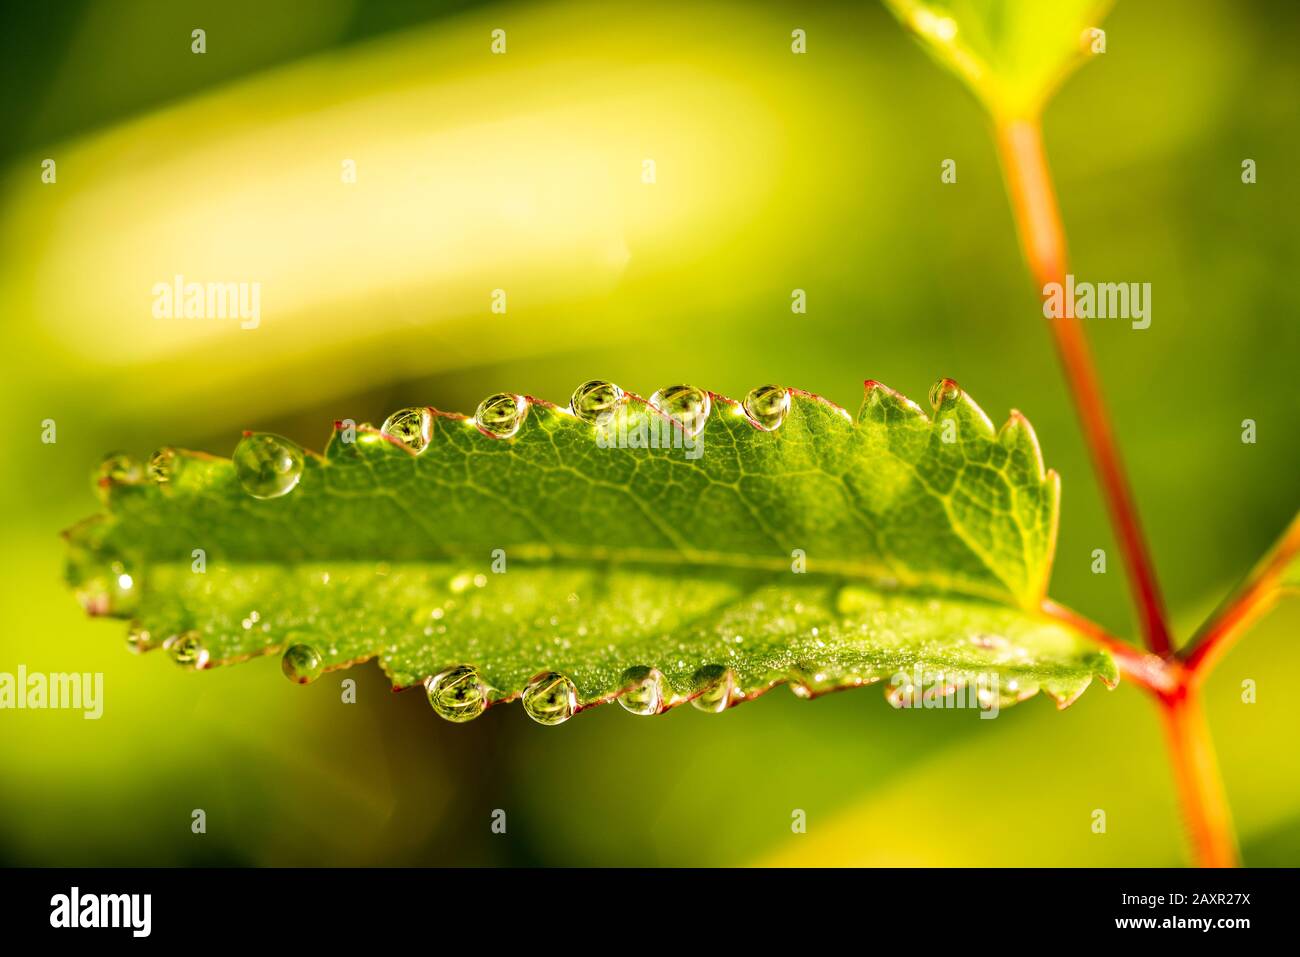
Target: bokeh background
[[523, 172]]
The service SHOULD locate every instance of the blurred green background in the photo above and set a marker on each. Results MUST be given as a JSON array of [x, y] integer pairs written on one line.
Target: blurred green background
[[523, 172]]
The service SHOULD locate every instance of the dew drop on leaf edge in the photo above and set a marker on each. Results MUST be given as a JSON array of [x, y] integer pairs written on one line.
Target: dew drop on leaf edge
[[942, 390], [643, 692], [412, 427], [138, 639], [188, 650], [688, 405], [595, 400], [117, 468], [715, 686], [457, 694], [501, 414], [301, 664], [806, 680], [267, 465], [550, 698], [767, 406], [164, 465]]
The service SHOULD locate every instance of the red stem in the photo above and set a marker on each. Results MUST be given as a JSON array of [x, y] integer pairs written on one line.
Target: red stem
[[1252, 599], [1200, 788], [1160, 676], [1034, 202]]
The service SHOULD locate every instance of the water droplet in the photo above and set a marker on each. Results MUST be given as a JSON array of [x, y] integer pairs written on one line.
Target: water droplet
[[767, 406], [164, 465], [500, 415], [188, 650], [943, 390], [989, 642], [268, 466], [139, 640], [412, 427], [685, 403], [116, 469], [302, 664], [716, 687], [550, 698], [595, 400], [807, 680], [457, 694], [643, 690]]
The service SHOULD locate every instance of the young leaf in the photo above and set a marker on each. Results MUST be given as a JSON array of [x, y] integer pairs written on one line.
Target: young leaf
[[708, 556], [1012, 53]]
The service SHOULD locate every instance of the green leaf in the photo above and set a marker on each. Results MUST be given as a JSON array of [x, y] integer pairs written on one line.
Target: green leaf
[[828, 552], [1012, 53]]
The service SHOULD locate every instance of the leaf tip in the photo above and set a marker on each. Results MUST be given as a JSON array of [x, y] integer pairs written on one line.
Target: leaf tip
[[821, 400], [946, 396], [1017, 435], [877, 396]]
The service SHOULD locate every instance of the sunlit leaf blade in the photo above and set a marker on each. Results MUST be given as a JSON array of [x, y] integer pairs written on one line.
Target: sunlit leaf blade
[[1012, 53], [827, 553]]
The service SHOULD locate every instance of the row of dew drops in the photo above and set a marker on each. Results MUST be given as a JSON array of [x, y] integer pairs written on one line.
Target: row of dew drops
[[269, 466], [458, 693]]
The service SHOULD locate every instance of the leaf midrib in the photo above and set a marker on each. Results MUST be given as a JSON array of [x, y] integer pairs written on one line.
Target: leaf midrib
[[673, 564]]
